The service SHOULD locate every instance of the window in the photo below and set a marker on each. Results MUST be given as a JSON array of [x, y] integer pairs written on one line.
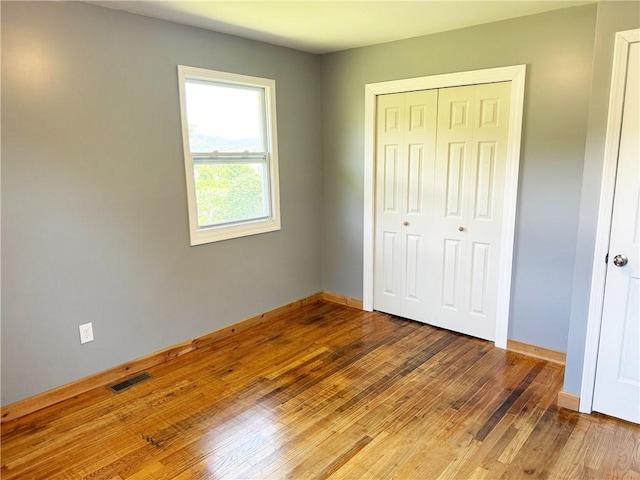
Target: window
[[230, 154]]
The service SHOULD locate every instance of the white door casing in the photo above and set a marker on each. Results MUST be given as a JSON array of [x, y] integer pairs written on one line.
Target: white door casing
[[623, 43], [516, 76], [617, 382]]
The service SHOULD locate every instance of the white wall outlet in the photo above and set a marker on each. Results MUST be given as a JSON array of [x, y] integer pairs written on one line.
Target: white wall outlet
[[86, 333]]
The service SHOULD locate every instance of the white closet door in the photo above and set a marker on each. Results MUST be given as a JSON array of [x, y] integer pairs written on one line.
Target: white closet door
[[472, 132], [404, 164], [440, 166], [617, 385]]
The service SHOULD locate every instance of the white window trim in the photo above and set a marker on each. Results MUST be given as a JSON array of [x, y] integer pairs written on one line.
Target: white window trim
[[200, 235]]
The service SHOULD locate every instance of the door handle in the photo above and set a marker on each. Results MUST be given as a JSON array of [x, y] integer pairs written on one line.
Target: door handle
[[620, 260], [405, 223]]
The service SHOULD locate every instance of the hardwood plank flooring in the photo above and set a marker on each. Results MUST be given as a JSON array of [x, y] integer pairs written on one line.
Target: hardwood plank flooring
[[327, 392]]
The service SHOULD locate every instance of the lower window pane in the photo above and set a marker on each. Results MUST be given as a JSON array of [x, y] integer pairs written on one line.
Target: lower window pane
[[230, 193]]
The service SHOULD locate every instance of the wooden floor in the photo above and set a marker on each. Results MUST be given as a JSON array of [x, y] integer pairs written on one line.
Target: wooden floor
[[328, 392]]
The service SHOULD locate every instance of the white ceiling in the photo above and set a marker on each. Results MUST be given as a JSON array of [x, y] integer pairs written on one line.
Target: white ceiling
[[329, 26]]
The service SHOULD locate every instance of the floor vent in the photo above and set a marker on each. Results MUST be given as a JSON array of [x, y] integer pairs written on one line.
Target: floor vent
[[129, 382]]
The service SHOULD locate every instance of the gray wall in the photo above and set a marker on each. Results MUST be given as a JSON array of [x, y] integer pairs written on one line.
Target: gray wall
[[612, 17], [557, 48], [94, 212], [94, 215]]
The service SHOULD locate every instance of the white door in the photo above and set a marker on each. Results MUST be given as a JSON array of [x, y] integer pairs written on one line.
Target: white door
[[440, 164], [473, 127], [406, 134], [617, 384]]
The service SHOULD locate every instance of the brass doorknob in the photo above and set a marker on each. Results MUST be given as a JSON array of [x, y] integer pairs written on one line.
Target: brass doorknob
[[461, 228], [405, 223]]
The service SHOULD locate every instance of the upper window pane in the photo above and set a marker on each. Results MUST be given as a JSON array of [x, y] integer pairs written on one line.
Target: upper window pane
[[225, 118]]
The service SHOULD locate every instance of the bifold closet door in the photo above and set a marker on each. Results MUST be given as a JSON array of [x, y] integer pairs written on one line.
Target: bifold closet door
[[469, 178], [406, 134], [440, 172]]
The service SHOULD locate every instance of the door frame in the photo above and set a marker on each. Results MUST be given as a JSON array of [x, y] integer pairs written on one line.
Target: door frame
[[516, 75], [623, 41]]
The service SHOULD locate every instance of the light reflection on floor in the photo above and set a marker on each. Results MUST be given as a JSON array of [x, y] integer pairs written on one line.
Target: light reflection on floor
[[241, 442]]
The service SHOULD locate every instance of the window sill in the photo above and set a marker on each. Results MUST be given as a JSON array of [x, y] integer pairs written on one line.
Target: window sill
[[200, 236]]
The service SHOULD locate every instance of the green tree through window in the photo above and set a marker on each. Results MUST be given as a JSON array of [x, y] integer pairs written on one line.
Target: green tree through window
[[229, 193]]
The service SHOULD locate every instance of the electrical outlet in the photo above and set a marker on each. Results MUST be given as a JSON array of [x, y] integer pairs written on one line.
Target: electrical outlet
[[86, 333]]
